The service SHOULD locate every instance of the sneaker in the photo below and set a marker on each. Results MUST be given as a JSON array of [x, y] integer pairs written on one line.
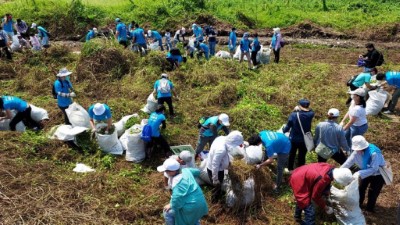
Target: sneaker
[[387, 112]]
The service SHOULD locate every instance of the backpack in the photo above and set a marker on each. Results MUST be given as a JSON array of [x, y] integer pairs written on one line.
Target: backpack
[[146, 133], [202, 120], [351, 80], [380, 59], [53, 89], [164, 86]]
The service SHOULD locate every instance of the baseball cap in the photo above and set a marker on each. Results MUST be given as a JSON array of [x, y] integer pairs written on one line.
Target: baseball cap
[[224, 119], [169, 164], [359, 92], [333, 112]]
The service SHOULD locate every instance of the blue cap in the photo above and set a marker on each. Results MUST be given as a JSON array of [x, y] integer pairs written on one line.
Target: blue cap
[[304, 103], [117, 20]]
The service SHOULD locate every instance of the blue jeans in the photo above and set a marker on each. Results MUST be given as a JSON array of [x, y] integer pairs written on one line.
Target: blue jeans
[[309, 214], [169, 217], [212, 45], [169, 45], [45, 41], [160, 44], [354, 131], [282, 163]]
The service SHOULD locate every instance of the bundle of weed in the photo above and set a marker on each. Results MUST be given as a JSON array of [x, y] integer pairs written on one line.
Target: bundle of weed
[[239, 172], [224, 94], [85, 142], [132, 121], [35, 80], [103, 130], [157, 61], [6, 70]]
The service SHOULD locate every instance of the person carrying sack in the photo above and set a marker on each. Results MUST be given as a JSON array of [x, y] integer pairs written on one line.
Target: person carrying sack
[[330, 138], [304, 115]]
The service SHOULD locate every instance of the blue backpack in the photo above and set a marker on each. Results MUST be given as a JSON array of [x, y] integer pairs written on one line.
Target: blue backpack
[[146, 133]]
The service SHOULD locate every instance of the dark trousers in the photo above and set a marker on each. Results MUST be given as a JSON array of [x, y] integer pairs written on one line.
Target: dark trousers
[[374, 185], [254, 58], [339, 157], [157, 141], [124, 43], [168, 100], [301, 157], [66, 120], [352, 88], [277, 55], [217, 190], [4, 48], [23, 116]]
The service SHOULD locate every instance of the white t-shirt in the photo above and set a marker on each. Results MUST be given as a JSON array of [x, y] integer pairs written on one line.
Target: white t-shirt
[[359, 112]]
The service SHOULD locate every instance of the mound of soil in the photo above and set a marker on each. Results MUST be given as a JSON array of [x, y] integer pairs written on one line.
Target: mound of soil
[[309, 29]]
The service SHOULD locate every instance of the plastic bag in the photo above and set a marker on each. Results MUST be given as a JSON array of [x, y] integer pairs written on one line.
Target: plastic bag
[[78, 116]]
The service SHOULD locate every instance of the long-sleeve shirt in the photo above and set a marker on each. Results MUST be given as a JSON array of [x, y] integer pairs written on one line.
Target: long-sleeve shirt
[[373, 57], [293, 125], [331, 135], [373, 165], [218, 157]]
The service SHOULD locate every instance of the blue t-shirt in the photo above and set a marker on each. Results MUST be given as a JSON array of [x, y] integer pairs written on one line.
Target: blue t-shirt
[[256, 43], [42, 32], [176, 58], [155, 121], [157, 87], [8, 27], [91, 34], [244, 45], [198, 33], [393, 78], [275, 142], [155, 35], [122, 32], [361, 79], [14, 103], [105, 116], [212, 120], [232, 37], [138, 34], [63, 87]]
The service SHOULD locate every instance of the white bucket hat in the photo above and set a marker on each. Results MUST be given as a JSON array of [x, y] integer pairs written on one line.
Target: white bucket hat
[[224, 119], [333, 112], [33, 25], [234, 138], [186, 156], [358, 143], [276, 29], [99, 109], [343, 176], [169, 164], [64, 72]]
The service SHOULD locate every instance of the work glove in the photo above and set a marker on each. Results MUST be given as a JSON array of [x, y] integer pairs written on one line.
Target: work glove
[[328, 210], [72, 94], [258, 166]]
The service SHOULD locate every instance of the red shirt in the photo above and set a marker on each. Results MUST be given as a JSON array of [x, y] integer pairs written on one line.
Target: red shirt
[[309, 182]]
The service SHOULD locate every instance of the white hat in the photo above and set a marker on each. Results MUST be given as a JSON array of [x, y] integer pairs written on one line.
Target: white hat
[[224, 119], [169, 164], [33, 25], [333, 112], [186, 156], [94, 29], [149, 33], [183, 30], [194, 25], [99, 109], [276, 29], [343, 176], [358, 143], [234, 138], [164, 75], [358, 91], [64, 72]]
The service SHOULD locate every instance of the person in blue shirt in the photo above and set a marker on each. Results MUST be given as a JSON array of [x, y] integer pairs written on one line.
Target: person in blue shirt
[[4, 44], [8, 25], [174, 57], [121, 33], [164, 89], [198, 33], [255, 48], [187, 204], [393, 79], [203, 49], [296, 136], [212, 40], [91, 34], [23, 109], [156, 120], [276, 43], [360, 80], [100, 113], [368, 157], [139, 39], [245, 49], [156, 37], [274, 143], [65, 92], [208, 130], [232, 42], [43, 35]]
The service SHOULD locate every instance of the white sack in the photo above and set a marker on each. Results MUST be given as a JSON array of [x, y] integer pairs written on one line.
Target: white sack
[[151, 105], [109, 142], [153, 46], [67, 132], [375, 102], [5, 124], [238, 53], [38, 114], [236, 152], [346, 204], [135, 147], [82, 168], [78, 116], [264, 55], [223, 54], [248, 195], [120, 125], [254, 154]]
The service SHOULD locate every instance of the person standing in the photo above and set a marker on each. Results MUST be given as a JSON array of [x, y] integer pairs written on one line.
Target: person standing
[[393, 79], [232, 42], [168, 39], [218, 160], [245, 49], [22, 28], [209, 128], [164, 89], [156, 119], [368, 157], [197, 33], [274, 143], [187, 204], [23, 109], [177, 37], [139, 40], [64, 92], [100, 113], [358, 123], [276, 43], [304, 115], [121, 33], [255, 48], [310, 183], [330, 134], [4, 42], [43, 35], [8, 25], [212, 40], [156, 38], [91, 34]]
